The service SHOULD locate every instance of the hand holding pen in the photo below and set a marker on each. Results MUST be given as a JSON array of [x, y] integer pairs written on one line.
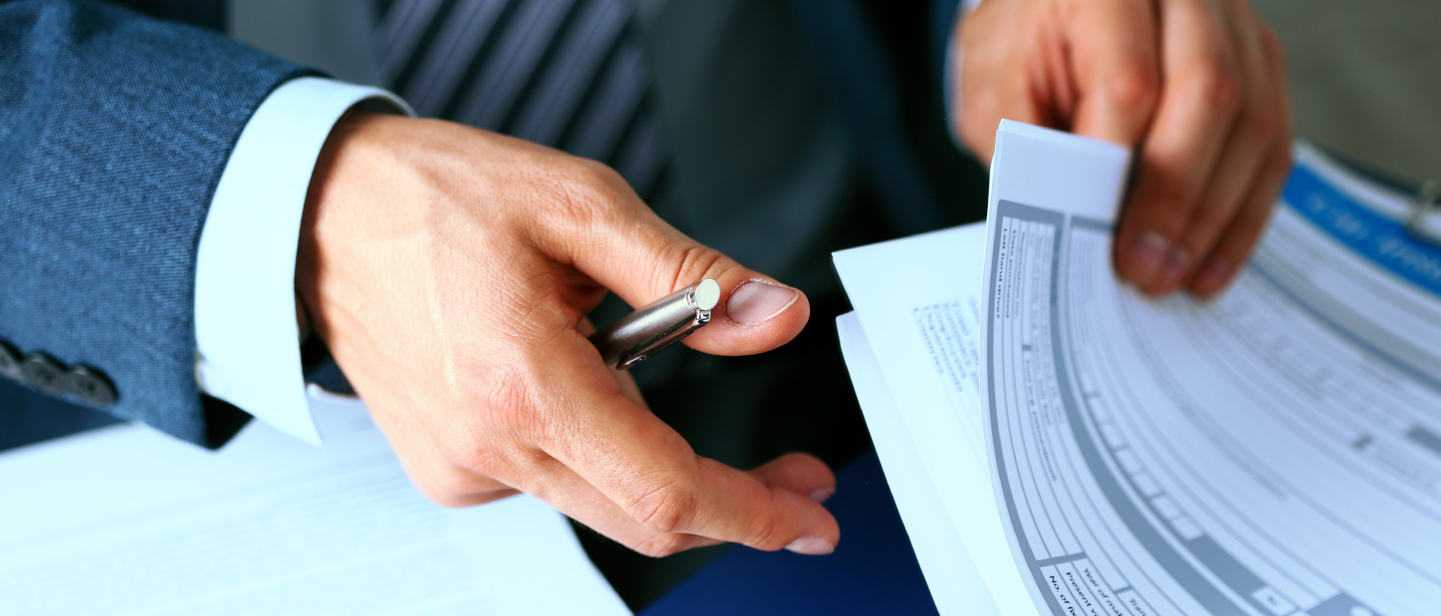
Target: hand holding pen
[[449, 269]]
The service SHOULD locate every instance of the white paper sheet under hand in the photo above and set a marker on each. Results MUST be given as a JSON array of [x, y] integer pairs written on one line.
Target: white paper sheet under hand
[[128, 521]]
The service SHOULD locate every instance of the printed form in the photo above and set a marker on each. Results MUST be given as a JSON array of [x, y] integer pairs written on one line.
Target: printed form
[[1276, 452], [1271, 453]]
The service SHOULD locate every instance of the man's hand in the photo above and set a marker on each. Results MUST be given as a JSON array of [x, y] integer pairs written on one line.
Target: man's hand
[[449, 270], [1196, 87]]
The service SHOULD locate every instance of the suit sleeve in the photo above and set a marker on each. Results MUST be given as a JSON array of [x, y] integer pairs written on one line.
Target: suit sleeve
[[114, 131], [246, 331]]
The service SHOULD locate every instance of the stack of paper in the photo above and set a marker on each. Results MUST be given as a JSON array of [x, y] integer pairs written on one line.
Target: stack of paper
[[129, 521], [1059, 444]]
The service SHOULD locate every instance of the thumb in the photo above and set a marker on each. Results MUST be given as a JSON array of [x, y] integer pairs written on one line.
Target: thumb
[[641, 258]]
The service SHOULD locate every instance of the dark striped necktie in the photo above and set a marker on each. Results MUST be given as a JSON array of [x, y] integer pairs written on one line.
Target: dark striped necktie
[[569, 74]]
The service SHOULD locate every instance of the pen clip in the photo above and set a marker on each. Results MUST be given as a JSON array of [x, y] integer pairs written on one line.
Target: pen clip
[[625, 361], [638, 336]]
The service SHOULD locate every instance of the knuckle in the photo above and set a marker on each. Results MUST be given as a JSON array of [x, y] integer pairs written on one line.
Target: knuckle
[[585, 190], [768, 534], [1132, 87], [507, 395], [685, 262], [1264, 123], [464, 447], [600, 177], [502, 385], [465, 454], [493, 435], [451, 489], [1217, 84], [1167, 202], [665, 509], [660, 545]]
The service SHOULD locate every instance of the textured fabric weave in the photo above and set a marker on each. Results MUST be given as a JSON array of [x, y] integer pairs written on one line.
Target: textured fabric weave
[[114, 129]]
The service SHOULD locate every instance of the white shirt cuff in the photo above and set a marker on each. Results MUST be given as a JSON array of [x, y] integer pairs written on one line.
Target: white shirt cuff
[[246, 335]]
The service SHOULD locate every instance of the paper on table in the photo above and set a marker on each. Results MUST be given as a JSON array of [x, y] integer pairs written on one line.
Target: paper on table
[[1274, 452], [128, 521]]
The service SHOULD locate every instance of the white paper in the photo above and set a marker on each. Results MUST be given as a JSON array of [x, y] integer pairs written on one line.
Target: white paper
[[1274, 452], [918, 300], [956, 585], [126, 520]]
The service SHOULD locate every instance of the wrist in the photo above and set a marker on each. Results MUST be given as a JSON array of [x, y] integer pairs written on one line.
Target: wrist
[[331, 206]]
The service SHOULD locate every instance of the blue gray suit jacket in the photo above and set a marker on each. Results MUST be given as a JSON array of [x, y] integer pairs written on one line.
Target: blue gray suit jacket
[[115, 126], [116, 123]]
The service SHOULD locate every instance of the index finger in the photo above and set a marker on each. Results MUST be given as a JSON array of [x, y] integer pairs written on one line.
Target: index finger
[[1115, 61], [1200, 103], [650, 472]]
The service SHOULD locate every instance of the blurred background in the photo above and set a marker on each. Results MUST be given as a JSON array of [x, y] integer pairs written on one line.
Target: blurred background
[[1366, 79], [802, 127], [1365, 76]]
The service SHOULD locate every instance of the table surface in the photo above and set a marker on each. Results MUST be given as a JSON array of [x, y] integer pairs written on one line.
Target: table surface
[[873, 570]]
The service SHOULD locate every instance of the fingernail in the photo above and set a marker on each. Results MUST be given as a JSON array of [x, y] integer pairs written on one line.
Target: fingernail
[[1213, 276], [757, 301], [1149, 252], [811, 545], [822, 495], [1176, 269]]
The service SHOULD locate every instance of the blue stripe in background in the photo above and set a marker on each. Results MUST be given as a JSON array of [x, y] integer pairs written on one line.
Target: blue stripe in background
[[1381, 240]]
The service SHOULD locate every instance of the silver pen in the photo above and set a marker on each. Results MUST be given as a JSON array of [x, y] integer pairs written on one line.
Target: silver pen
[[643, 333]]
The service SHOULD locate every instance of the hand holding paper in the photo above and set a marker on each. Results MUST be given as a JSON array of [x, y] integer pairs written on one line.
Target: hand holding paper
[[1275, 451], [1197, 88]]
